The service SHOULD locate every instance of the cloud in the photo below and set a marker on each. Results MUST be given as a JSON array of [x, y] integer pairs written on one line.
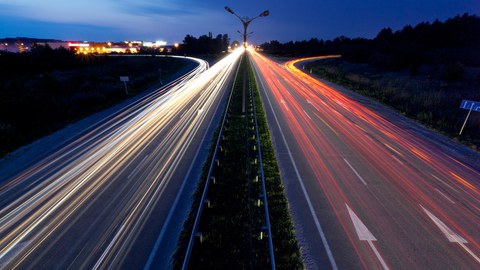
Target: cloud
[[152, 8]]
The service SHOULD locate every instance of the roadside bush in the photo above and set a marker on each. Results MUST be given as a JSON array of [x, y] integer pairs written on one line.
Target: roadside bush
[[56, 87], [453, 72]]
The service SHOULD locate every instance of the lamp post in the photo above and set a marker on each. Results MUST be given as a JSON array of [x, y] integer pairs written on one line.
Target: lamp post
[[246, 21]]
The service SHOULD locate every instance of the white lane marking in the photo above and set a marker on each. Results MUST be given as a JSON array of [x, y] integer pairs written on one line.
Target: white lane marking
[[137, 168], [304, 190], [355, 171], [173, 208], [284, 104], [362, 231], [443, 182], [307, 115], [379, 257], [183, 114], [445, 196], [109, 247], [398, 160], [451, 235], [365, 235]]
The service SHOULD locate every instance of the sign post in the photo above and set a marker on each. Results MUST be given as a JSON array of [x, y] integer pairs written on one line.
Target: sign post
[[470, 106], [125, 79]]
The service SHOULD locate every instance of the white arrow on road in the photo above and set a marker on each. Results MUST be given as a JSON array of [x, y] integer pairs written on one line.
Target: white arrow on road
[[365, 235], [450, 234]]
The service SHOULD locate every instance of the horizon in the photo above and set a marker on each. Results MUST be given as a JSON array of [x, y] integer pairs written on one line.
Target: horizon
[[214, 34], [171, 21]]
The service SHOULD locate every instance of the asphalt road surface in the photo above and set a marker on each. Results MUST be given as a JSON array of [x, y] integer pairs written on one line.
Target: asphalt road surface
[[366, 191], [111, 198]]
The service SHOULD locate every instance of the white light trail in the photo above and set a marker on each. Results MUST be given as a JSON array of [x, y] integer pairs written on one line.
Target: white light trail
[[72, 179]]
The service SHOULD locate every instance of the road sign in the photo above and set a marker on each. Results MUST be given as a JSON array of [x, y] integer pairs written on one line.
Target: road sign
[[125, 79], [470, 105]]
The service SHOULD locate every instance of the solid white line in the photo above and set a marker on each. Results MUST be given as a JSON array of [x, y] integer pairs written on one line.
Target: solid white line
[[355, 171], [379, 257], [304, 190]]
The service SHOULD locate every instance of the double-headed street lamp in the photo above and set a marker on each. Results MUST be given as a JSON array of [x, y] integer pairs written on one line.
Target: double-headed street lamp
[[246, 21]]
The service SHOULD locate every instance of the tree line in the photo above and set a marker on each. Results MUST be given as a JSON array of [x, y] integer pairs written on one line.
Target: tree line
[[454, 42], [205, 44], [45, 89]]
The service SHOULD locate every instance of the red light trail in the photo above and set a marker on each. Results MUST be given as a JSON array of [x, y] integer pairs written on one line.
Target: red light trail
[[395, 181]]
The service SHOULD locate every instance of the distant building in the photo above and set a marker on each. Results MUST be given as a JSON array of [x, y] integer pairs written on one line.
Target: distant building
[[18, 45], [104, 47], [22, 44]]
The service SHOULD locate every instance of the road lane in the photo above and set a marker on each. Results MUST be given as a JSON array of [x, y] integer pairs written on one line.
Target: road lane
[[352, 159], [101, 201]]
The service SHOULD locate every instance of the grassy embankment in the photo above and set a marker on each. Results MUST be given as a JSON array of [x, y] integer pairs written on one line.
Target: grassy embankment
[[231, 225], [424, 97], [45, 90]]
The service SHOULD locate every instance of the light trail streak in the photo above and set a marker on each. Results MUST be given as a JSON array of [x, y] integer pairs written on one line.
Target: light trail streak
[[403, 170], [114, 175]]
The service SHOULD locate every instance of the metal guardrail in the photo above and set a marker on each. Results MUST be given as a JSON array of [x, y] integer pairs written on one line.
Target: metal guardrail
[[207, 183], [262, 176], [211, 169]]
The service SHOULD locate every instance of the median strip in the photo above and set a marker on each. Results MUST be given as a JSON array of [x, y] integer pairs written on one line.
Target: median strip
[[235, 223]]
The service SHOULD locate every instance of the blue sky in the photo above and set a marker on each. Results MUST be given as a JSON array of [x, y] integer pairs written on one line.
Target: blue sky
[[169, 20]]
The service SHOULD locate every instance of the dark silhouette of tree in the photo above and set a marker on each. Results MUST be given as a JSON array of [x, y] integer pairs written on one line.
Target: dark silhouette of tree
[[451, 44], [205, 44]]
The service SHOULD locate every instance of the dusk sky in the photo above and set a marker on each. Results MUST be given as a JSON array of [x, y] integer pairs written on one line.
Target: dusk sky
[[171, 20]]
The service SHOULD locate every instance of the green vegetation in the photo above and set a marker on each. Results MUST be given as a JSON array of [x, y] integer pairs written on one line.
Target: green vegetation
[[423, 71], [205, 44], [287, 254], [424, 97], [232, 224], [43, 90], [439, 43]]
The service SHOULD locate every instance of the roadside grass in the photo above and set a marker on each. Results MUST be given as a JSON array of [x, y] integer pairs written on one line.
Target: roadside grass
[[36, 103], [424, 97], [231, 225]]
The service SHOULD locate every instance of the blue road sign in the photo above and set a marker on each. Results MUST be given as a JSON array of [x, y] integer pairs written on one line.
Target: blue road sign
[[470, 105]]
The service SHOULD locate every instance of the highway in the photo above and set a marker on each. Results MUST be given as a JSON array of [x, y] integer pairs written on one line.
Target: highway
[[366, 190], [116, 195]]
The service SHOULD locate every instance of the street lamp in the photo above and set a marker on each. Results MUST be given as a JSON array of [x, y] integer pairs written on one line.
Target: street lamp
[[246, 21]]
